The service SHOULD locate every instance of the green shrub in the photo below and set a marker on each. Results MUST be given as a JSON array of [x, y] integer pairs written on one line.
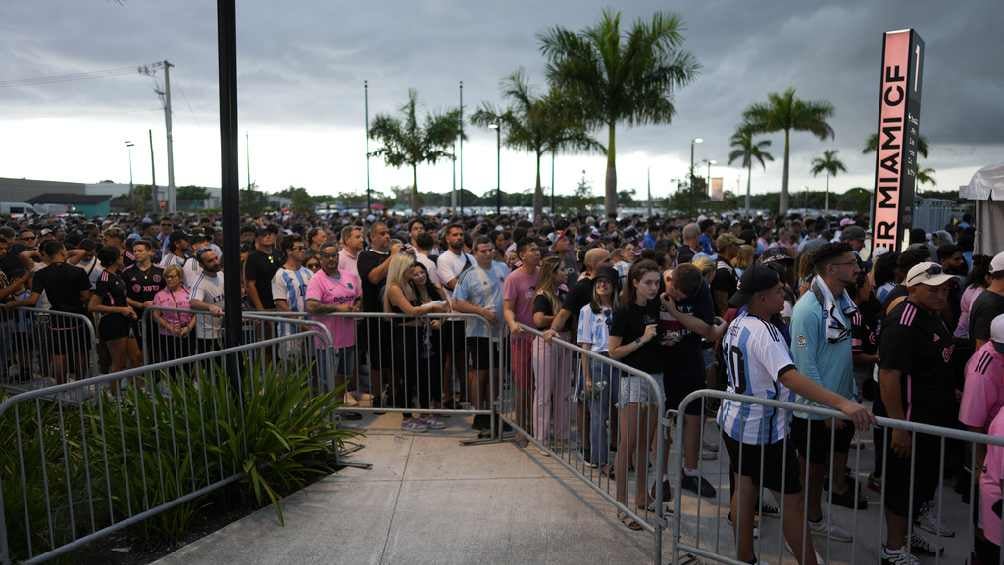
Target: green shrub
[[144, 445]]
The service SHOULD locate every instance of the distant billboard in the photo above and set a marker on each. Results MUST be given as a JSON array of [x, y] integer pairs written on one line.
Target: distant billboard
[[717, 189], [898, 131]]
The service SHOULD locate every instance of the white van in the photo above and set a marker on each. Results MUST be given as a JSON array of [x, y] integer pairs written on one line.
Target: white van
[[17, 209]]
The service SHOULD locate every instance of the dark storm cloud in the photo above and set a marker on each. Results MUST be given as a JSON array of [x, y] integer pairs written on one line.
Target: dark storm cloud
[[303, 63]]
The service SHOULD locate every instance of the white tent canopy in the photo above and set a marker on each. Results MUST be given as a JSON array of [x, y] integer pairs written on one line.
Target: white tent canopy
[[987, 189]]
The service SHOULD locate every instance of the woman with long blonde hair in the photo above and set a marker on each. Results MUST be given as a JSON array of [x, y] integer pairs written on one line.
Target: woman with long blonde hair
[[415, 340], [552, 364]]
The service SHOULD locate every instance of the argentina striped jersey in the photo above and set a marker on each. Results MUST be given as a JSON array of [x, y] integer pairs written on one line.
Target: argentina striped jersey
[[756, 354]]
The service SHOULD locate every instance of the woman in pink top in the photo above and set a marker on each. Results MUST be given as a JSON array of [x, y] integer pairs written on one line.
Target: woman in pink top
[[988, 549], [175, 339], [979, 280]]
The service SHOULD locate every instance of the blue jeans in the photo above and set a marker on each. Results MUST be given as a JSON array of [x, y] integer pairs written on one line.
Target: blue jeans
[[604, 393]]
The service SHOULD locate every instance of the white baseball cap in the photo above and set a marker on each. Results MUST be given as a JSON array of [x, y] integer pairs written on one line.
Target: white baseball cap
[[929, 273], [997, 333], [997, 263]]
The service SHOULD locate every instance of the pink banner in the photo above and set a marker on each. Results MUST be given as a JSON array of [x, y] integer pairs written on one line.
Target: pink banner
[[892, 123]]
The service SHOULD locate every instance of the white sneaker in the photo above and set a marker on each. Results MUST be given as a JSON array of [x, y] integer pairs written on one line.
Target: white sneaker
[[898, 557], [819, 558], [835, 533], [928, 521]]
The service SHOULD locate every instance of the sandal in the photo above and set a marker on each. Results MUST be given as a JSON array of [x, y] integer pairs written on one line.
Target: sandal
[[629, 522]]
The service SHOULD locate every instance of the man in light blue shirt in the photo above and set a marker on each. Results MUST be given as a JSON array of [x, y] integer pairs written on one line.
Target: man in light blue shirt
[[821, 350], [479, 291]]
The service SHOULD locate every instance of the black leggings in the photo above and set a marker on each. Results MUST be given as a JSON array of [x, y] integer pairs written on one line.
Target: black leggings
[[417, 367]]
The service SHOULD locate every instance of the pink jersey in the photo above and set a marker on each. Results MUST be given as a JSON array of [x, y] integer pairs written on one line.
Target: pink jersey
[[343, 289], [519, 289], [983, 394], [990, 483]]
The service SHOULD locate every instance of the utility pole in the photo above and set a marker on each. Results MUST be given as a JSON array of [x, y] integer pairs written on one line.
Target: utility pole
[[453, 191], [153, 175], [366, 105], [247, 154], [648, 182], [460, 197], [129, 145], [553, 209], [172, 190], [165, 94]]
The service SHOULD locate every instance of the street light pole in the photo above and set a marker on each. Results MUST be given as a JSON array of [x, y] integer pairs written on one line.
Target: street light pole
[[129, 145], [710, 162], [692, 143], [498, 166], [460, 195], [366, 106]]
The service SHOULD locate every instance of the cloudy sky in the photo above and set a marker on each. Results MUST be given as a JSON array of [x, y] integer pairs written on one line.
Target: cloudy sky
[[301, 69]]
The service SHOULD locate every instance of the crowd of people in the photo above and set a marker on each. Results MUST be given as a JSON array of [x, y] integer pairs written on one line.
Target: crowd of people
[[776, 308]]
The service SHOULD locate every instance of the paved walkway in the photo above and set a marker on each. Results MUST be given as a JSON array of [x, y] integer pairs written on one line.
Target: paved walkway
[[430, 500]]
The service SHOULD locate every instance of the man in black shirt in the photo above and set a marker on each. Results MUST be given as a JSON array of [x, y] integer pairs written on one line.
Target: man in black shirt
[[372, 265], [687, 315], [143, 280], [260, 268], [988, 304], [68, 290], [915, 379], [582, 294]]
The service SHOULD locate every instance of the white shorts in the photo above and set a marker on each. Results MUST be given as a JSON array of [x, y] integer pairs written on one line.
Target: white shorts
[[638, 390]]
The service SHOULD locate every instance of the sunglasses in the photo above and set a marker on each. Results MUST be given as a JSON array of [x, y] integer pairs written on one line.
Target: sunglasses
[[934, 269]]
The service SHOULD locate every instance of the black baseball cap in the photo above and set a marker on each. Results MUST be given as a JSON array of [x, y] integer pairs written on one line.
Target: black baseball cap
[[755, 279], [608, 273]]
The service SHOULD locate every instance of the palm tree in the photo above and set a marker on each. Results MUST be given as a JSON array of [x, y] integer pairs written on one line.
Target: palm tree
[[871, 144], [926, 176], [785, 112], [405, 142], [744, 147], [831, 165], [537, 124], [620, 77]]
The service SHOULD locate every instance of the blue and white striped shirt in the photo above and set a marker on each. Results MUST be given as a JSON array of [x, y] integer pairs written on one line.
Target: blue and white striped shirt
[[756, 354]]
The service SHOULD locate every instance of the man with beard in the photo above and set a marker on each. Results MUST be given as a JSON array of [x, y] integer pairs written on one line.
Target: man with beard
[[143, 281], [207, 294], [821, 326], [454, 260]]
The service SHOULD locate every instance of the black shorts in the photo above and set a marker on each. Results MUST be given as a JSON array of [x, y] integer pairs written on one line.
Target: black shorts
[[817, 447], [481, 351], [454, 335], [925, 477], [773, 458], [114, 326], [678, 384]]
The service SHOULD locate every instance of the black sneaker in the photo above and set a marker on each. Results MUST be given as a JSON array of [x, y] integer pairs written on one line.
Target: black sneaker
[[849, 500], [702, 488]]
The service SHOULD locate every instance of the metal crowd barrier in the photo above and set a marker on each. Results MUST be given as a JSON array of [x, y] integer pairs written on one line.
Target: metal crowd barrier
[[40, 347], [387, 362], [74, 472], [699, 529], [580, 407]]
